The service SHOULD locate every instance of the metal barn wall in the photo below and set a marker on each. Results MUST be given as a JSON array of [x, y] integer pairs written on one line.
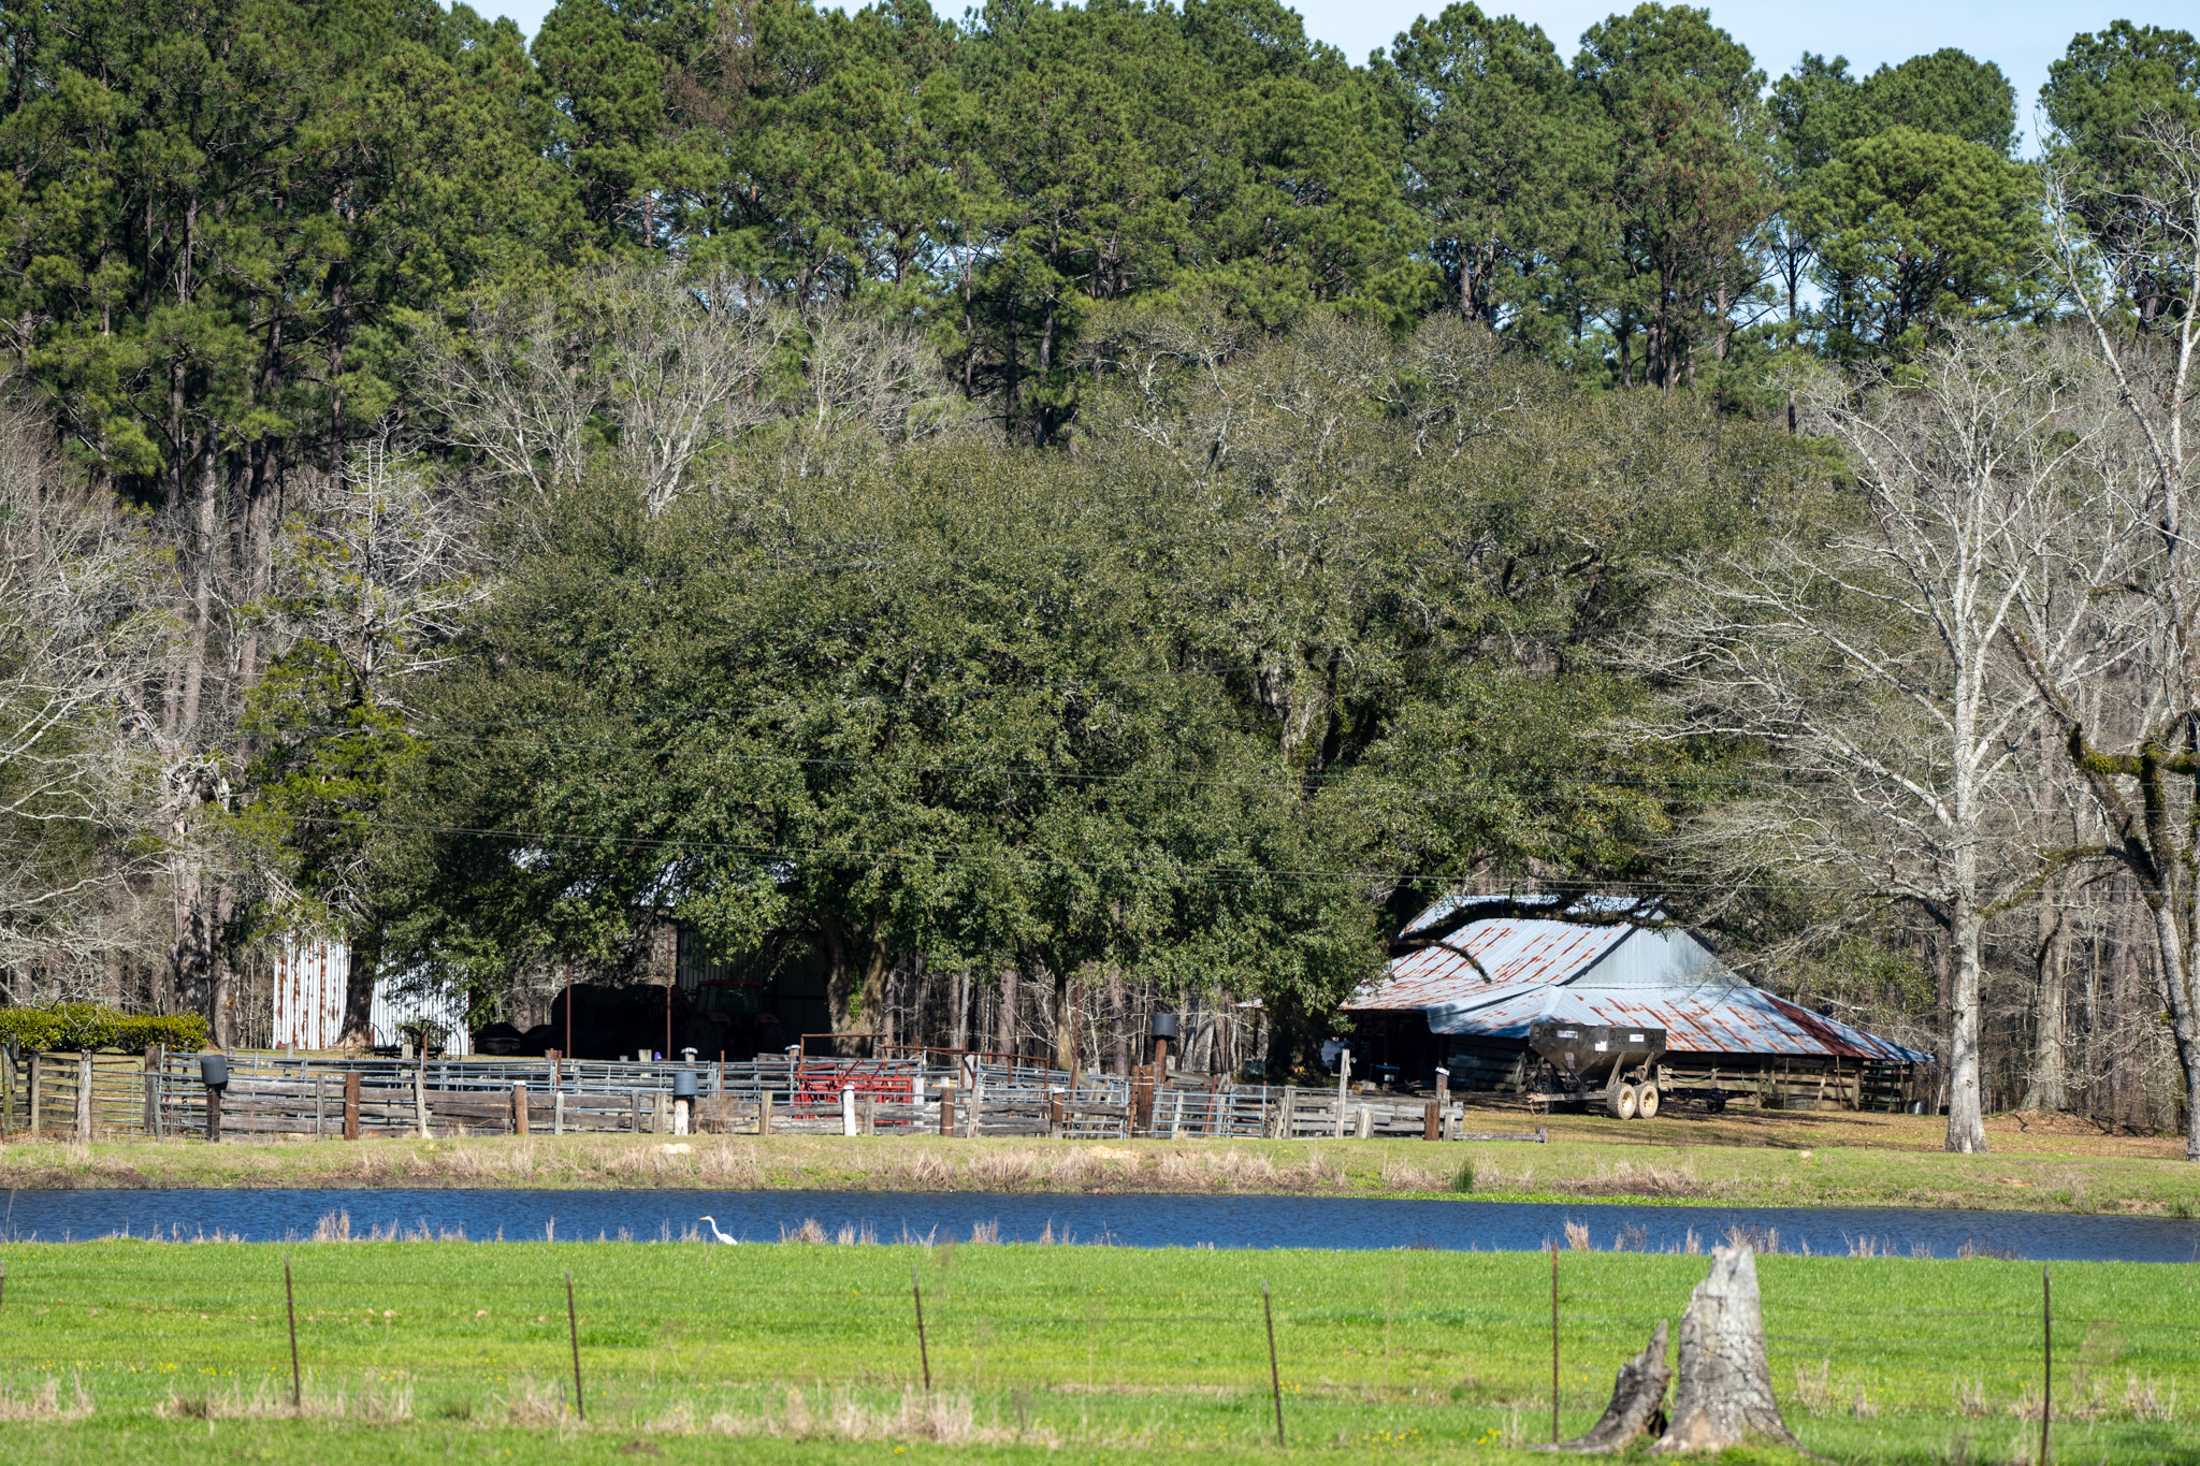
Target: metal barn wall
[[310, 977], [395, 1006]]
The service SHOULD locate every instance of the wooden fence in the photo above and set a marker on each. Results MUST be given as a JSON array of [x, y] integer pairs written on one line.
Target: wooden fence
[[97, 1096]]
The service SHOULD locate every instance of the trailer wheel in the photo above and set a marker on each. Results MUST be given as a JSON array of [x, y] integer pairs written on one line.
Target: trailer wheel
[[1622, 1102], [1646, 1102]]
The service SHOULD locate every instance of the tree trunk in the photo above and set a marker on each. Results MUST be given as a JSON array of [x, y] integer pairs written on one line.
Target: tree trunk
[[1119, 1020], [2127, 1083], [1638, 1401], [2169, 940], [1065, 1021], [1008, 1034], [205, 516], [1966, 1115], [2049, 1088], [357, 1029], [1722, 1395]]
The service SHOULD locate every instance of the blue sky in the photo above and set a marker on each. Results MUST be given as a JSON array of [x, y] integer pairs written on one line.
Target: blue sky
[[2023, 36]]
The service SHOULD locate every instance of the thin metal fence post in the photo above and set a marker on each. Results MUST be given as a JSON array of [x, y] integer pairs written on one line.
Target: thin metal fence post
[[1554, 1343], [924, 1350], [290, 1306], [573, 1331], [1275, 1374], [2047, 1360]]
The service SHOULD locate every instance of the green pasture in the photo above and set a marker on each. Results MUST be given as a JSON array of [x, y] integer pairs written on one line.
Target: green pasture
[[135, 1351]]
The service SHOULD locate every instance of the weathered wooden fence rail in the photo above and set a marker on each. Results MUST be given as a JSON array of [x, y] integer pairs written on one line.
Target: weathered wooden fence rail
[[86, 1097]]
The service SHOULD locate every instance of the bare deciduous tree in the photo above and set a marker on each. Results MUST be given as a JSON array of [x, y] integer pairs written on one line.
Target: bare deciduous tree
[[2143, 780], [373, 578], [76, 772], [1862, 645]]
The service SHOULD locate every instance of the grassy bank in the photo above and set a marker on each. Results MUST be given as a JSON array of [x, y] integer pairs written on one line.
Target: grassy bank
[[152, 1352], [1830, 1159]]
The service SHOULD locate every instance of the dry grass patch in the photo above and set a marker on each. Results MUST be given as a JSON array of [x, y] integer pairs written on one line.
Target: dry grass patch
[[915, 1416], [45, 1400], [533, 1405], [373, 1405]]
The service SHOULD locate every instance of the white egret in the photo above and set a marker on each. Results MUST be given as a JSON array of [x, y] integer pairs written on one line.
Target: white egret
[[716, 1235]]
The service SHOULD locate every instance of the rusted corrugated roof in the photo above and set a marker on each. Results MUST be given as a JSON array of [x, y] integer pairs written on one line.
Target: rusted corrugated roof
[[1483, 954], [1494, 977]]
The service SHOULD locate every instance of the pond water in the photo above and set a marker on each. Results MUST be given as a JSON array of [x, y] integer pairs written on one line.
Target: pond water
[[1119, 1220]]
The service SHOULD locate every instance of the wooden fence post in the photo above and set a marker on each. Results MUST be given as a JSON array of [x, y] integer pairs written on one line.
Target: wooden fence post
[[1290, 1112], [320, 1106], [420, 1101], [1432, 1121], [947, 1108], [351, 1106], [557, 1112], [519, 1107], [213, 1115], [153, 1060], [764, 1112], [84, 1099], [37, 1062]]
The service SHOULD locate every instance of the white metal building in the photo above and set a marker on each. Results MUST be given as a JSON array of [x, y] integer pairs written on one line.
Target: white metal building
[[310, 976]]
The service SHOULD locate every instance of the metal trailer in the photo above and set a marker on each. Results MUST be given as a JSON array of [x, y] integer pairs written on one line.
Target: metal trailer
[[1589, 1063]]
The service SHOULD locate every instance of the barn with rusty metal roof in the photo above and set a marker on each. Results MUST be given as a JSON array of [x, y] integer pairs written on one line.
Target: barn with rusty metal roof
[[1472, 973]]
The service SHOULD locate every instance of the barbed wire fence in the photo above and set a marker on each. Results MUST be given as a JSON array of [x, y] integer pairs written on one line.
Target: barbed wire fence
[[1283, 1341]]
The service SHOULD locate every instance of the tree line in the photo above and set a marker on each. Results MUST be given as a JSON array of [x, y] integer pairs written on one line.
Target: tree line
[[1079, 506]]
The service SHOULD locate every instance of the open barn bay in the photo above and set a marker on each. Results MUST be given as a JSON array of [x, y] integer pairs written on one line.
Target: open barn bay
[[460, 1351]]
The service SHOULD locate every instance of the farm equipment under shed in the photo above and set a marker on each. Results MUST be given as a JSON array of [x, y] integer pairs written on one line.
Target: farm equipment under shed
[[1587, 1063]]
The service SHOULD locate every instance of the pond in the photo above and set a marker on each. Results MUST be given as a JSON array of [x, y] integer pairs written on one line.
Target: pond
[[1119, 1220]]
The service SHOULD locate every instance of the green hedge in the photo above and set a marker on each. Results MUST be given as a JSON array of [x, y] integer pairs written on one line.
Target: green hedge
[[75, 1027]]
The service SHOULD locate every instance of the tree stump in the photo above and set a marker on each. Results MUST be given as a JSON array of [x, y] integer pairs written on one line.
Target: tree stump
[[1722, 1395], [1638, 1401]]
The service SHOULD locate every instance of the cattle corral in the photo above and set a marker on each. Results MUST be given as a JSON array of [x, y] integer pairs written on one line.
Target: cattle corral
[[88, 1097]]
